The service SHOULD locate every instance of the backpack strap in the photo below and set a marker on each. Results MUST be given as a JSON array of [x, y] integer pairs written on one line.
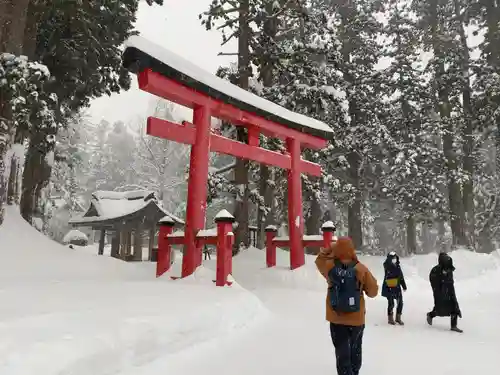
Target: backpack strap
[[337, 262]]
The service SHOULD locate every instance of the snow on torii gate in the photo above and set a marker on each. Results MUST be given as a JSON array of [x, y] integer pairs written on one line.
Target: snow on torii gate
[[164, 74]]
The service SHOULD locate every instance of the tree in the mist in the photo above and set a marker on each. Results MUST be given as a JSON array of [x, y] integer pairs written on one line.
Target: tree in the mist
[[305, 64], [117, 158], [485, 123], [360, 136], [446, 68], [238, 20], [413, 171], [67, 188], [161, 165]]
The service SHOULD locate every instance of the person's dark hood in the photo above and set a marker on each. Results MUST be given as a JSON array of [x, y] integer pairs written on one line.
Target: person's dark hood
[[445, 262], [392, 255]]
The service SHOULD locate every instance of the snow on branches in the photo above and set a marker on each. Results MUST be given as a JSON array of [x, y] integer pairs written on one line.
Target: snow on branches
[[21, 81]]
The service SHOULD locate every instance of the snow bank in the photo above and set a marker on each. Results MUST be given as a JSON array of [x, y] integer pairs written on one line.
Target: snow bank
[[28, 257], [249, 269], [75, 236], [467, 263], [65, 312]]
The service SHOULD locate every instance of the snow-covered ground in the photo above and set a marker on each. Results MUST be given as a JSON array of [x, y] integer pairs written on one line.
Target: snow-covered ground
[[65, 311]]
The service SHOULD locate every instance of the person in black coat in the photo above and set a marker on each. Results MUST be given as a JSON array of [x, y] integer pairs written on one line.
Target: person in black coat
[[394, 281], [443, 288]]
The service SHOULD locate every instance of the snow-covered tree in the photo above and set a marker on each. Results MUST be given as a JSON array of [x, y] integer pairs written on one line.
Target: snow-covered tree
[[29, 107]]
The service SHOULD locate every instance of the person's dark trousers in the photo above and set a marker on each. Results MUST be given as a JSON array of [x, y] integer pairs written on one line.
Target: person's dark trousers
[[391, 302], [348, 342]]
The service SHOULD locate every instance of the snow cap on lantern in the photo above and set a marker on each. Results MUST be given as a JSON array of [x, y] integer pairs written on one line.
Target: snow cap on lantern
[[328, 227], [271, 228], [166, 221], [224, 216]]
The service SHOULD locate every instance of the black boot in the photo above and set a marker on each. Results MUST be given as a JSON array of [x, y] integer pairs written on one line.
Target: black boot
[[429, 319], [454, 322], [398, 320], [390, 319]]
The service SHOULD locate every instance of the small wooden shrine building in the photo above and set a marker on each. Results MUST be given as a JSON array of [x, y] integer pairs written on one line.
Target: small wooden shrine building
[[130, 218]]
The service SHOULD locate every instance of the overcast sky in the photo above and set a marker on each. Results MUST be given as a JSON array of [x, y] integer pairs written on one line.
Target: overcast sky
[[176, 27]]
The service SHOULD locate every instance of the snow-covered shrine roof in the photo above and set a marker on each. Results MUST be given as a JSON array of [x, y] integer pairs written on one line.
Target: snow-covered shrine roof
[[109, 207], [142, 54]]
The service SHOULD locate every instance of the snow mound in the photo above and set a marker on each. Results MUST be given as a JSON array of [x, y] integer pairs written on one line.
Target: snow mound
[[29, 256], [249, 269], [82, 314], [468, 264], [75, 235]]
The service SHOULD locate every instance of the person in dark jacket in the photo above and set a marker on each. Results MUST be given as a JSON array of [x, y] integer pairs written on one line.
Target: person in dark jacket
[[443, 288], [391, 288]]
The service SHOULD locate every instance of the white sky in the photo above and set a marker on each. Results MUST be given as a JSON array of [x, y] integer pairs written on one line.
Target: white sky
[[176, 27]]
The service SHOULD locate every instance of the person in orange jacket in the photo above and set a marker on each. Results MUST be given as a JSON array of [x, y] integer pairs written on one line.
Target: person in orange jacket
[[348, 281]]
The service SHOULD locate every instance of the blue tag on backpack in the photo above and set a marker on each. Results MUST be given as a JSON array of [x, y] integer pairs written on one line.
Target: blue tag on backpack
[[345, 294]]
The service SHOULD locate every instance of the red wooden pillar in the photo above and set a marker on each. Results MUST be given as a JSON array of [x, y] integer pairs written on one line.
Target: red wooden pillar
[[197, 190], [270, 246], [328, 229], [163, 259], [295, 221], [225, 238]]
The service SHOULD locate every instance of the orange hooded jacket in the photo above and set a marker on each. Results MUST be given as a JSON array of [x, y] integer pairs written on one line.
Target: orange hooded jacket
[[343, 250]]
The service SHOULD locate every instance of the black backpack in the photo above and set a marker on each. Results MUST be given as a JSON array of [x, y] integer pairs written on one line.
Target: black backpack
[[345, 293]]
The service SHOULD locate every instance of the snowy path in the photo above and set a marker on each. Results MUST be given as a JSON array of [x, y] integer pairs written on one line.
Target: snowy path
[[66, 312], [296, 341], [295, 338]]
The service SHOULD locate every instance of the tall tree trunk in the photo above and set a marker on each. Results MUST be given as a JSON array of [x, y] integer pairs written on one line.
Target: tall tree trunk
[[354, 215], [31, 30], [425, 238], [492, 36], [36, 175], [241, 210], [457, 213], [265, 188], [30, 182], [13, 187], [12, 25], [468, 132], [313, 219], [411, 235], [354, 219]]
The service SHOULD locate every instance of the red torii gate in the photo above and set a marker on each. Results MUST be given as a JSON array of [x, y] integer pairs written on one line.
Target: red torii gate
[[168, 76]]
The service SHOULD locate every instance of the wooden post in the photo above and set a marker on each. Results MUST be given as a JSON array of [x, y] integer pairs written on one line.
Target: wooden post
[[137, 254], [115, 244], [225, 238], [123, 244], [151, 243], [101, 241], [128, 247], [164, 249], [271, 231]]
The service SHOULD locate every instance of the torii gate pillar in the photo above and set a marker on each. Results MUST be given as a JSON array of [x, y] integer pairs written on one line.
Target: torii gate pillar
[[197, 189], [295, 219]]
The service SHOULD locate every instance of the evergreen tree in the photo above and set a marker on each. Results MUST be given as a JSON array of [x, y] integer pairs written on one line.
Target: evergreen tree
[[85, 61]]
